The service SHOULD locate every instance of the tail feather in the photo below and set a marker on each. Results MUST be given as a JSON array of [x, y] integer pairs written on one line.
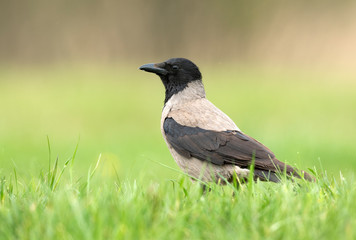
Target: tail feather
[[291, 171], [277, 167]]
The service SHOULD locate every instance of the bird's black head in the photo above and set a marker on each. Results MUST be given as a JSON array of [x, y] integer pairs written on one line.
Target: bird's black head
[[175, 74]]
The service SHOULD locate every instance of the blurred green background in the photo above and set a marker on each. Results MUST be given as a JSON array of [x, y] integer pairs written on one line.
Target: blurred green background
[[284, 71]]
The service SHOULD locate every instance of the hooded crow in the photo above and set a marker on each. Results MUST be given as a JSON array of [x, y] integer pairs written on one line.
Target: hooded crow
[[202, 139]]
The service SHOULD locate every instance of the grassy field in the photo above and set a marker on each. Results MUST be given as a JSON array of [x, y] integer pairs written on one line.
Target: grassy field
[[112, 114]]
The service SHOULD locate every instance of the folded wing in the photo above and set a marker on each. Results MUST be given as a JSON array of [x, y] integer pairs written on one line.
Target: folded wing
[[225, 147]]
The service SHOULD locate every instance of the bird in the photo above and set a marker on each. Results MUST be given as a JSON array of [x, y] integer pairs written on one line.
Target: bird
[[205, 143]]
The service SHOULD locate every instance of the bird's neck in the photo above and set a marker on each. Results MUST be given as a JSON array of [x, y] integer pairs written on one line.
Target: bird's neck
[[182, 94]]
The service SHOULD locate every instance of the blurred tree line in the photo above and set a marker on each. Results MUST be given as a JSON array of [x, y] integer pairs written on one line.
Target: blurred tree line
[[42, 31]]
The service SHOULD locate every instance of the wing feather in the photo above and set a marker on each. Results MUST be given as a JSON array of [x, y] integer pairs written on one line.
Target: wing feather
[[225, 147]]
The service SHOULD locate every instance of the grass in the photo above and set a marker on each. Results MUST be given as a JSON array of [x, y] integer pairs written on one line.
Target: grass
[[97, 175], [176, 209]]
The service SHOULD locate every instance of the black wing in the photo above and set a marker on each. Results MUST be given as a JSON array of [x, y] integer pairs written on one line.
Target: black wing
[[231, 147]]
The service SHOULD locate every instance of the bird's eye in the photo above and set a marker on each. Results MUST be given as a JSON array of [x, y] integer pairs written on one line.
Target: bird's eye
[[175, 67]]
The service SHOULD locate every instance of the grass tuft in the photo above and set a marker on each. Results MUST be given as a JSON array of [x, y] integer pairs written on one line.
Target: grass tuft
[[175, 209]]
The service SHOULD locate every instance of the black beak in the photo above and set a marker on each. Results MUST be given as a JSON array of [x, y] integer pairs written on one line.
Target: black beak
[[154, 68]]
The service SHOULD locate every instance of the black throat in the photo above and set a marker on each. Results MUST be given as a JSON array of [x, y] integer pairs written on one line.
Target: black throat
[[173, 88]]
